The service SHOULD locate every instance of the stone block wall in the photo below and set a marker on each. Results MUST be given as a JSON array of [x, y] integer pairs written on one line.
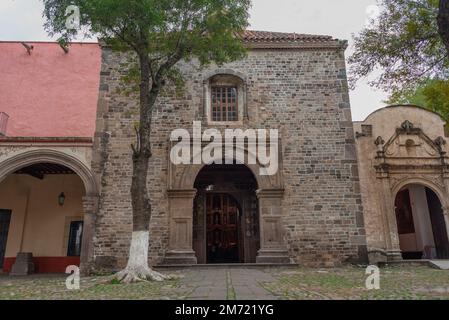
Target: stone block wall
[[301, 92]]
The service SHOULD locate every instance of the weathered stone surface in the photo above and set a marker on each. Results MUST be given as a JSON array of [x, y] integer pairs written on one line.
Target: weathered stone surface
[[303, 93]]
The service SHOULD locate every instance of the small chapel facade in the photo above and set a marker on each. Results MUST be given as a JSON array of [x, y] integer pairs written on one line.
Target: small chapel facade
[[309, 211], [404, 181]]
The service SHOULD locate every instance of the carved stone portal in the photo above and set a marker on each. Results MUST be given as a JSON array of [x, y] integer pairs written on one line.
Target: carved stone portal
[[254, 235]]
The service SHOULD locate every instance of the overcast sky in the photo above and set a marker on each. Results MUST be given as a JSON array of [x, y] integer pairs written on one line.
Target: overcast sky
[[22, 20]]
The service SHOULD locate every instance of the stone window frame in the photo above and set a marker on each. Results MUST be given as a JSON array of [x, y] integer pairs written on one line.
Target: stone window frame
[[226, 77]]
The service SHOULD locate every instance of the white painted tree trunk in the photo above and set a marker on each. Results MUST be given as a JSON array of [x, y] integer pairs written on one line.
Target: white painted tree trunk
[[137, 268], [138, 252]]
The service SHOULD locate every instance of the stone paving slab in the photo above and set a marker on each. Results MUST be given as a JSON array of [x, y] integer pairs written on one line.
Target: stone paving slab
[[247, 284], [227, 284]]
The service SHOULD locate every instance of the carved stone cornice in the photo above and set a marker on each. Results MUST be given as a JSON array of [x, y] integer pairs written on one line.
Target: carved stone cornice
[[181, 193], [379, 142], [270, 193], [382, 171]]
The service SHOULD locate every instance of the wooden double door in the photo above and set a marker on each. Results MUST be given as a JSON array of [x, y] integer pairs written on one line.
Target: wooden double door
[[222, 229], [226, 227]]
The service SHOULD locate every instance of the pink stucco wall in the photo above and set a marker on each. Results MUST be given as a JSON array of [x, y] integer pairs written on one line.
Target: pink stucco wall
[[49, 93]]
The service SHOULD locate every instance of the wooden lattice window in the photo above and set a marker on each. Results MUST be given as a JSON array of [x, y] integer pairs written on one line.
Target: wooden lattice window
[[224, 103]]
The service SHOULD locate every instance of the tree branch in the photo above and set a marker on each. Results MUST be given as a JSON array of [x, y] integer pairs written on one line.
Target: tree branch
[[443, 23]]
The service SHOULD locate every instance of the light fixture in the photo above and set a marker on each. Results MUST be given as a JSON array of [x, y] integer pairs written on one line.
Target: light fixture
[[61, 199]]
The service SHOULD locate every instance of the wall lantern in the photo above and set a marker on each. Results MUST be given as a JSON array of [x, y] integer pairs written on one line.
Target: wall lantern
[[61, 199]]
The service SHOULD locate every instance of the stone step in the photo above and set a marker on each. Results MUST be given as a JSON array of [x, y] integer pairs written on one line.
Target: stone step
[[440, 264], [230, 265]]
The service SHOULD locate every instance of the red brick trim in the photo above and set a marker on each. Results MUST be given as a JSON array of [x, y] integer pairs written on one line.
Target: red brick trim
[[46, 264]]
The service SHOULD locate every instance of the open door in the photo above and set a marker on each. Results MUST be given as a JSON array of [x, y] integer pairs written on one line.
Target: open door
[[5, 219], [421, 224], [438, 225]]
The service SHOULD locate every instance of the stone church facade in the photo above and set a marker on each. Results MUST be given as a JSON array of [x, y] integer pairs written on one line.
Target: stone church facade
[[309, 212]]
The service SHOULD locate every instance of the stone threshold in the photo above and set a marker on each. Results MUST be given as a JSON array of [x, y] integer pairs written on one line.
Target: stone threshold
[[423, 262], [228, 265]]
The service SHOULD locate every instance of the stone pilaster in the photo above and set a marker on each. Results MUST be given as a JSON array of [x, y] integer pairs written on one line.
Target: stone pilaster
[[272, 247], [392, 247], [90, 205], [180, 250], [444, 203]]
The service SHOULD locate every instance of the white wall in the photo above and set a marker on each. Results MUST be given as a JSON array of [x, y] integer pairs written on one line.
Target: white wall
[[423, 235], [421, 217]]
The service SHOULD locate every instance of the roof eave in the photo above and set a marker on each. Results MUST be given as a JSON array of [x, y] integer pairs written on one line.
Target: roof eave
[[285, 45], [37, 141], [312, 45]]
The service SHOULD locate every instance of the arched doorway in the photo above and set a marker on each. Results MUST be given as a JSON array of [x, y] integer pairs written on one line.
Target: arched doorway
[[42, 215], [421, 224], [226, 215], [59, 186]]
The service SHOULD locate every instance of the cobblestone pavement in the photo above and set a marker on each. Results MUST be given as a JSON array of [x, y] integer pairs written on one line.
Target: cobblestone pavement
[[241, 283]]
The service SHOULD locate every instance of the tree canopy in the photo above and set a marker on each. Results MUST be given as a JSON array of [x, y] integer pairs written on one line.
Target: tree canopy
[[432, 94], [405, 44], [204, 29]]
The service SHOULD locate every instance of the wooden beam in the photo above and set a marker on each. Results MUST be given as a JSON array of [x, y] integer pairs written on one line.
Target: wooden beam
[[33, 173]]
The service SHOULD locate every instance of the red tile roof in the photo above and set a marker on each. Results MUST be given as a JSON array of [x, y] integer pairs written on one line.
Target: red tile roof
[[267, 36]]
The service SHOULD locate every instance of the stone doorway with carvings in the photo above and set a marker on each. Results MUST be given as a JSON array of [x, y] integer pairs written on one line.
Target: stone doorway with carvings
[[226, 215]]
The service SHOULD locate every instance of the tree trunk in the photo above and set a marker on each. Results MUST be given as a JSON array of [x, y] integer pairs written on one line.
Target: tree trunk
[[137, 268], [443, 23]]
